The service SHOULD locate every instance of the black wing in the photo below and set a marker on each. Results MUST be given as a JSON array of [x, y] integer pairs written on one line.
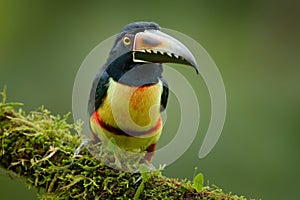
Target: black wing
[[98, 91], [164, 95]]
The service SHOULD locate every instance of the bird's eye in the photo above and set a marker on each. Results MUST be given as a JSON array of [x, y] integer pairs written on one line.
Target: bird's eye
[[126, 41]]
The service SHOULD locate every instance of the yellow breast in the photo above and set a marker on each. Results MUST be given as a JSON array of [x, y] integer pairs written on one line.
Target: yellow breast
[[131, 108]]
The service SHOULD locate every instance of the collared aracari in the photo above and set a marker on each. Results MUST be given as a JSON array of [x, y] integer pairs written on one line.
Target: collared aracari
[[129, 93]]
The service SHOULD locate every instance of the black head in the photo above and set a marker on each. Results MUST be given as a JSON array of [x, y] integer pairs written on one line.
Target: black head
[[139, 50], [125, 38]]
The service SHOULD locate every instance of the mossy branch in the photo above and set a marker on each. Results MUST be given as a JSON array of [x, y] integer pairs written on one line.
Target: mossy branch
[[39, 147]]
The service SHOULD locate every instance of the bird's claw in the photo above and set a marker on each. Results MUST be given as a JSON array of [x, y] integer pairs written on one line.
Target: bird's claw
[[151, 168], [83, 144], [138, 180]]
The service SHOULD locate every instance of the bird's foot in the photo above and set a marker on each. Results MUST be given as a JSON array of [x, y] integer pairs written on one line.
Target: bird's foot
[[145, 170], [146, 167], [83, 145]]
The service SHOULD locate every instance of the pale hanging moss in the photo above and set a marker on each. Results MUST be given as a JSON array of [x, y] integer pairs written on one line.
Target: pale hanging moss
[[40, 147]]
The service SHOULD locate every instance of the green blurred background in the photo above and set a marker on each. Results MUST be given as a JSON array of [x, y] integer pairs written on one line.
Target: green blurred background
[[255, 44]]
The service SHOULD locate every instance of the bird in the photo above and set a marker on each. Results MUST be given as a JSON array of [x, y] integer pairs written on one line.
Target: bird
[[129, 93]]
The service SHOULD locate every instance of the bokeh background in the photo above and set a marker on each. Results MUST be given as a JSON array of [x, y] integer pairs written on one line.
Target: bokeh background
[[254, 43]]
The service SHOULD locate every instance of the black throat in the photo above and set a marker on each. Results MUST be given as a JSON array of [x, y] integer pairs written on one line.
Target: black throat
[[125, 71]]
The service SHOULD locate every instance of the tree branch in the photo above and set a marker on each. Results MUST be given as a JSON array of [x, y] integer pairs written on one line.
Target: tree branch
[[40, 147]]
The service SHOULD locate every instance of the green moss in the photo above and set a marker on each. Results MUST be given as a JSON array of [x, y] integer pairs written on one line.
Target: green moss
[[39, 147]]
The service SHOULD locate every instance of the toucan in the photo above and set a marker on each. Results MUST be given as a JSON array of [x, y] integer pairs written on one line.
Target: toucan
[[129, 93]]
